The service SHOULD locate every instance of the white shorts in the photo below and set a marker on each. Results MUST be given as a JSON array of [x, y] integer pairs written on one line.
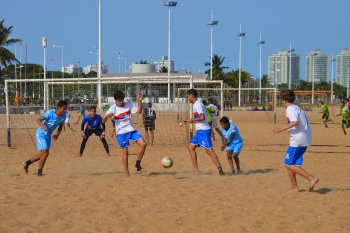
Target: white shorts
[[67, 120], [214, 123]]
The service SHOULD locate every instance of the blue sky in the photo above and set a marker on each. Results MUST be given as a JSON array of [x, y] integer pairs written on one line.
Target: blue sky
[[140, 29]]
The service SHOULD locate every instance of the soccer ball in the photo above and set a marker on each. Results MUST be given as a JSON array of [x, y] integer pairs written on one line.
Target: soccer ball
[[167, 162]]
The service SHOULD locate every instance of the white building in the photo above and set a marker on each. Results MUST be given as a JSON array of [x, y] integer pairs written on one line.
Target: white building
[[343, 67], [317, 67], [164, 63], [94, 68], [280, 65]]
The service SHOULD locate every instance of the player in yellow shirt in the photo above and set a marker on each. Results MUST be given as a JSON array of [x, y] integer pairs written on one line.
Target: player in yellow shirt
[[345, 113], [325, 112]]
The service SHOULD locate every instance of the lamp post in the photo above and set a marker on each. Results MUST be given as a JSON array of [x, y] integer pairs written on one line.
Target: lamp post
[[25, 71], [347, 89], [44, 44], [332, 96], [99, 87], [169, 4], [151, 57], [62, 68], [260, 42], [51, 59], [313, 75], [241, 34], [123, 58], [290, 66], [119, 53], [212, 23]]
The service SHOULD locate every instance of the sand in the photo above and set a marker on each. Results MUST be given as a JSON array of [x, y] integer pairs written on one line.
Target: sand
[[91, 193]]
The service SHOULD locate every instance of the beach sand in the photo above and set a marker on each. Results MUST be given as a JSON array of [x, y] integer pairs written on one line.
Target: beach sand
[[91, 193]]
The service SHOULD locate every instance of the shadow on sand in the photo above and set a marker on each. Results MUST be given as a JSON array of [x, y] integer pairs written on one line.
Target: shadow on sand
[[261, 171]]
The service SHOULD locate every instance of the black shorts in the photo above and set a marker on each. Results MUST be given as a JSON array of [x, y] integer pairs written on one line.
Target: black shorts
[[149, 125], [89, 132], [346, 123], [325, 117]]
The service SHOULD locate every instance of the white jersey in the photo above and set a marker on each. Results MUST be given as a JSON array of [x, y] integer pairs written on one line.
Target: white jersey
[[214, 114], [198, 109], [300, 135], [67, 117], [122, 117]]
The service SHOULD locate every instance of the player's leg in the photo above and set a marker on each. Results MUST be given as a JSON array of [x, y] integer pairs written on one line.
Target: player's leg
[[230, 161], [125, 161], [193, 154], [324, 120], [137, 137], [43, 157], [235, 155], [300, 171], [83, 143], [293, 180], [151, 132], [30, 161], [343, 126], [103, 140], [236, 159], [146, 135]]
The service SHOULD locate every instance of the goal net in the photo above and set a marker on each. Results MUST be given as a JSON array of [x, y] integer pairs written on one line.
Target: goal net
[[171, 107]]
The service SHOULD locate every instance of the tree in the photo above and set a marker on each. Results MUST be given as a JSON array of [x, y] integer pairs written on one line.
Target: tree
[[265, 81], [218, 69], [163, 70], [6, 56]]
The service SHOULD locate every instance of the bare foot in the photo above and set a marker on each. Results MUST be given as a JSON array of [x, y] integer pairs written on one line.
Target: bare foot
[[195, 172], [293, 190], [108, 154], [312, 184], [139, 169], [127, 174], [25, 167]]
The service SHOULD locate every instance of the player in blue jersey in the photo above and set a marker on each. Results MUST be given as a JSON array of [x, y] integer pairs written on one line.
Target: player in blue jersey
[[232, 141], [94, 123], [81, 112], [202, 138], [48, 123]]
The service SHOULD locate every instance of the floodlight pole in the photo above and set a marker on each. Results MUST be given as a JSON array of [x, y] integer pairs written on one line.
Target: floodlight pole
[[169, 4], [332, 99], [99, 94], [240, 64], [62, 69], [290, 66], [260, 42], [211, 23], [44, 44], [313, 75]]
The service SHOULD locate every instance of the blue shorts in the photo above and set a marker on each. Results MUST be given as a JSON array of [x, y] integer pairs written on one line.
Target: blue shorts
[[123, 139], [202, 138], [235, 148], [42, 142], [294, 156]]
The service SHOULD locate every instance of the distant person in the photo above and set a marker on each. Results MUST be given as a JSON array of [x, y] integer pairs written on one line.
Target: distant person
[[325, 112], [48, 123], [233, 143], [347, 103], [231, 104], [67, 121], [299, 130], [202, 138], [149, 118], [215, 116], [81, 113], [255, 109], [263, 108], [345, 113], [210, 110]]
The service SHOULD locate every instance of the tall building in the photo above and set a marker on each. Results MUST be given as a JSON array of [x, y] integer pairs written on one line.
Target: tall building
[[343, 67], [317, 67], [282, 65], [89, 68]]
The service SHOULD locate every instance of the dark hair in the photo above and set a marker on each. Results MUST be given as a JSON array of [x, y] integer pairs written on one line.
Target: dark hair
[[118, 95], [343, 102], [92, 107], [225, 120], [204, 102], [192, 92], [288, 95], [347, 99], [321, 101], [62, 103], [210, 100]]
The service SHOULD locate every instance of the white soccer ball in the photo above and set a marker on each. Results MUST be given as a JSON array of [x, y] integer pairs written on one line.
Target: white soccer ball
[[180, 124], [167, 162]]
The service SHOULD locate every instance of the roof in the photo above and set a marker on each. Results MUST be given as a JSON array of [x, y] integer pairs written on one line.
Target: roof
[[196, 77]]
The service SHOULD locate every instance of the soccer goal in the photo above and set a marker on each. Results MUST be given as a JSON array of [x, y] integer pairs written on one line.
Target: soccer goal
[[161, 91]]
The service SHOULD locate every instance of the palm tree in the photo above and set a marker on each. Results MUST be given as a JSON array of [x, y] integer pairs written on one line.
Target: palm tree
[[265, 80], [6, 56], [218, 69]]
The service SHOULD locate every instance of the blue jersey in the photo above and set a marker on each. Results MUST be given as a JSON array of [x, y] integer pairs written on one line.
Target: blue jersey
[[51, 120], [92, 123], [82, 109], [228, 134]]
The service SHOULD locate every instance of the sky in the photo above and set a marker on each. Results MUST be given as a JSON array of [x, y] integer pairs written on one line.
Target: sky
[[139, 29]]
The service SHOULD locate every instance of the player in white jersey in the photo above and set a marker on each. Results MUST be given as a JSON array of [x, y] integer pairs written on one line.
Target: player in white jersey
[[202, 137], [299, 130], [121, 111]]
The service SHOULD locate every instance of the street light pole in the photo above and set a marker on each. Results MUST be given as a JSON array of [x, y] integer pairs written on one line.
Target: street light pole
[[152, 56], [240, 64], [260, 42], [169, 4], [44, 44], [332, 99], [99, 87], [51, 59], [212, 23], [62, 68], [313, 75], [290, 66]]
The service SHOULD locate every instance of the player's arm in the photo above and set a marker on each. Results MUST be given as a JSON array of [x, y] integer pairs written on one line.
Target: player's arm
[[224, 141], [40, 122], [193, 120], [139, 100], [58, 132], [105, 118], [232, 137], [286, 127]]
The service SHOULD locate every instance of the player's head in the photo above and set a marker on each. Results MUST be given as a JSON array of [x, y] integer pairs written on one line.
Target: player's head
[[61, 107], [225, 123], [320, 103], [191, 95], [149, 105], [342, 103], [205, 102], [119, 97], [287, 96], [210, 100], [346, 100], [92, 111]]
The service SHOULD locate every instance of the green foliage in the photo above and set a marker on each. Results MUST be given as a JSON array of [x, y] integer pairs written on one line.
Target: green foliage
[[6, 56]]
